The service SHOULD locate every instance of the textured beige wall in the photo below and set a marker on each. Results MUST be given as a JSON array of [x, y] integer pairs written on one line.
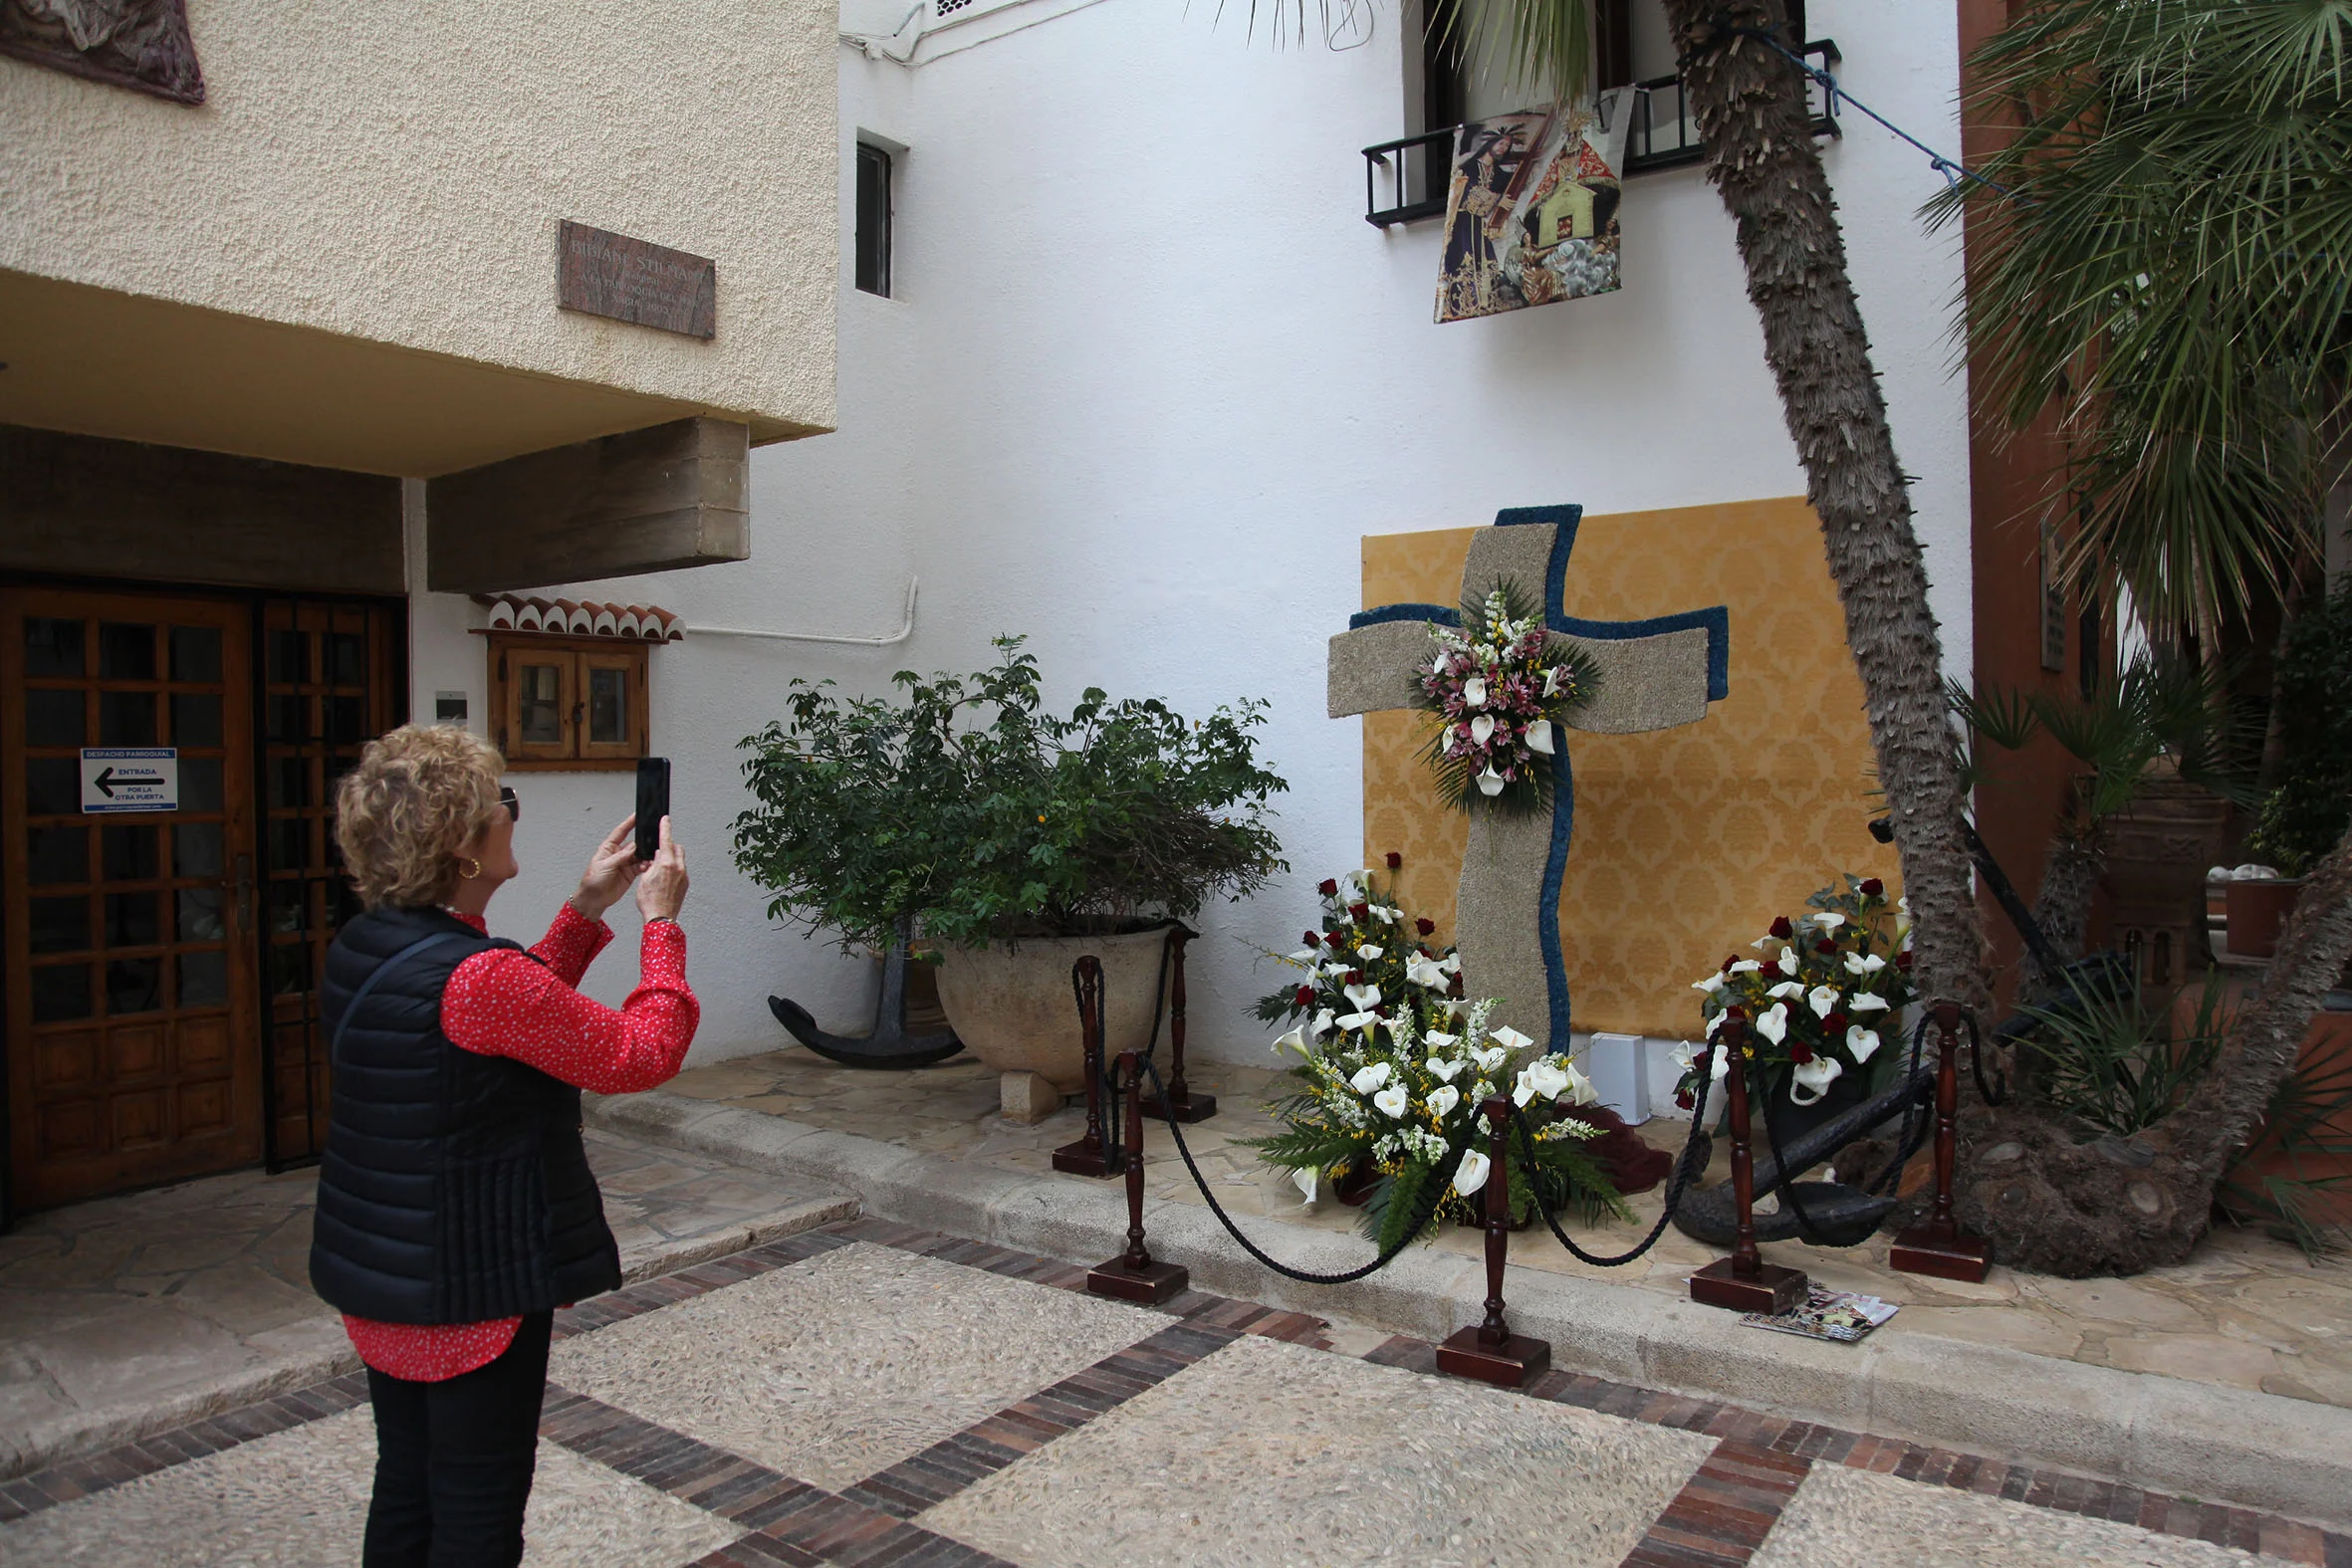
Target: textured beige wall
[[395, 172]]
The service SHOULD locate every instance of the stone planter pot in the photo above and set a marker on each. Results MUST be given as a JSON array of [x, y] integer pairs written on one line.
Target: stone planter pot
[[2255, 910], [1011, 1005]]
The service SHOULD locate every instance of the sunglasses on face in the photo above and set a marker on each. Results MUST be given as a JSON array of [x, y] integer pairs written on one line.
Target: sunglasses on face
[[514, 807]]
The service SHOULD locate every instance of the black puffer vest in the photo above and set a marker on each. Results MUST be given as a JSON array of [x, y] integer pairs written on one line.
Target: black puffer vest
[[454, 1187]]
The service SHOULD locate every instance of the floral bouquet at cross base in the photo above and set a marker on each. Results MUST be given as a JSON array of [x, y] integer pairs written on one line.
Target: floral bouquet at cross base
[[1392, 1065], [1498, 689], [1820, 1002]]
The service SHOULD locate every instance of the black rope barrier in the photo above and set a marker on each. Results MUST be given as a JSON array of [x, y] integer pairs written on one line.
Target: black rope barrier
[[1411, 1234], [1907, 1144], [1685, 1169]]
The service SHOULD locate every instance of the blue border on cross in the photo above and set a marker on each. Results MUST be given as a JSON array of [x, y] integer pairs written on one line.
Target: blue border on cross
[[1715, 621]]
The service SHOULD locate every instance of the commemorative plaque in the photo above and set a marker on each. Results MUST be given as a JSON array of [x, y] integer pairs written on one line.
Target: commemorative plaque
[[600, 273]]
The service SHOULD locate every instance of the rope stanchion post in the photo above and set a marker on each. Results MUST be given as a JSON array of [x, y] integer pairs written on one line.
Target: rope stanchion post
[[1937, 1245], [1182, 1104], [1134, 1275], [1091, 1155], [1744, 1281], [1490, 1352]]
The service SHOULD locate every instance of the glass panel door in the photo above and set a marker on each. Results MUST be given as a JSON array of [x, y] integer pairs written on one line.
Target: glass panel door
[[133, 1053], [330, 683]]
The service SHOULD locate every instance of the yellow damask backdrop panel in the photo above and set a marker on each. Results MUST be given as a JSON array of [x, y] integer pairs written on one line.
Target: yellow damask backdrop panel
[[1688, 841]]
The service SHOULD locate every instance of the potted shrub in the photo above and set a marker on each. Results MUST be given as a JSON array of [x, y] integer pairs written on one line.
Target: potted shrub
[[2304, 813], [1015, 838]]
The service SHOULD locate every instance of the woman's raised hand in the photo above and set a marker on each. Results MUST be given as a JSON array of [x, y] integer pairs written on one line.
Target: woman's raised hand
[[610, 870], [661, 889]]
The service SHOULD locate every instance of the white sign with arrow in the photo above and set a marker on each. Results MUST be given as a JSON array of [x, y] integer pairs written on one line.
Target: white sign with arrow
[[129, 778]]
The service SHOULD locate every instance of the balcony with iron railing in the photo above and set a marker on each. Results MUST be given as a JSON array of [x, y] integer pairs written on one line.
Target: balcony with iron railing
[[1418, 168]]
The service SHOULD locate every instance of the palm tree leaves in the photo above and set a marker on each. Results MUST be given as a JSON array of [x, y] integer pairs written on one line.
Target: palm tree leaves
[[2174, 282]]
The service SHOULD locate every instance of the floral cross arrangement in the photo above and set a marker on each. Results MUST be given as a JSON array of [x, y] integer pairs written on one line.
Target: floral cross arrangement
[[1823, 998], [1392, 1065], [1498, 689]]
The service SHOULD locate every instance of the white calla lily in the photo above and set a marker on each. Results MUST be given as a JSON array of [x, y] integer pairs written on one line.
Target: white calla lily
[[1862, 1043], [1473, 691], [1421, 969], [1787, 989], [1357, 1020], [1393, 1101], [1551, 681], [1508, 1038], [1745, 967], [1829, 920], [1773, 1024], [1549, 1077], [1539, 737], [1367, 1079], [1306, 1183], [1490, 1058], [1471, 1173], [1481, 728], [1444, 1099], [1685, 1055], [1451, 963], [1580, 1090], [1822, 1000], [1306, 958], [1711, 985], [1371, 950], [1490, 783], [1787, 961], [1439, 1040], [1719, 1068], [1295, 1040], [1867, 1001], [1815, 1075], [1443, 1070], [1864, 963], [1365, 996]]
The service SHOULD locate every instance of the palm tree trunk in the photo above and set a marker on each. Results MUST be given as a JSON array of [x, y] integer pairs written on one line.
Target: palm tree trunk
[[2062, 905], [1750, 111]]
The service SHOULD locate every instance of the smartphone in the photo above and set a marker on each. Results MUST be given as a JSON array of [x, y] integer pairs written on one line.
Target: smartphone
[[654, 803]]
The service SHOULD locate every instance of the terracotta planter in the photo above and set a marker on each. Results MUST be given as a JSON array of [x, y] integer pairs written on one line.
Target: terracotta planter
[[2158, 852], [1013, 1006], [2255, 910]]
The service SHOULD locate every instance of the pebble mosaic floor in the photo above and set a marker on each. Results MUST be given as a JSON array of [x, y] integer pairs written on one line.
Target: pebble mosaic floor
[[2247, 1311], [866, 1394]]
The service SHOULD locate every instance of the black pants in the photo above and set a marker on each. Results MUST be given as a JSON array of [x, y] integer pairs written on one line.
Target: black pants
[[453, 1459]]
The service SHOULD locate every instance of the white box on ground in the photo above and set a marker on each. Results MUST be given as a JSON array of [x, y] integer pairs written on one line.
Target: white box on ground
[[1619, 1070]]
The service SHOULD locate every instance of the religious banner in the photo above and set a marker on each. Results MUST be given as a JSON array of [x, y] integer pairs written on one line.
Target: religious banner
[[1532, 215]]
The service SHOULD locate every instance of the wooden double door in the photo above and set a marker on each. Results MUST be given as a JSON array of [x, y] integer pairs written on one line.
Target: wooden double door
[[162, 965]]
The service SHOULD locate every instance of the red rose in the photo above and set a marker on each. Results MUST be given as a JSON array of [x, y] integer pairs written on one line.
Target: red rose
[[1305, 997], [1735, 1012], [1314, 939], [1337, 939], [1872, 887], [1729, 962], [1329, 888], [1834, 1025], [1355, 976], [1824, 946], [1360, 912], [1782, 928], [1903, 960], [1681, 1099], [1395, 860], [1801, 1053], [1425, 926]]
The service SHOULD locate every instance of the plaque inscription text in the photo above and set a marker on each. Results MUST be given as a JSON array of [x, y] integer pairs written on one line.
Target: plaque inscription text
[[601, 273]]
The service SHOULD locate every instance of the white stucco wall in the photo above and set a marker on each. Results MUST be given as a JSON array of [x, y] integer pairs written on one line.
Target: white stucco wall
[[396, 172], [1149, 379]]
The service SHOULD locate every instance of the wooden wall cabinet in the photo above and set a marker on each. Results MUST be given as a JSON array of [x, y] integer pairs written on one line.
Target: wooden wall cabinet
[[569, 703]]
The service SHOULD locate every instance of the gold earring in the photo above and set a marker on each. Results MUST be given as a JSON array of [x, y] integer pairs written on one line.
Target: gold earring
[[469, 860]]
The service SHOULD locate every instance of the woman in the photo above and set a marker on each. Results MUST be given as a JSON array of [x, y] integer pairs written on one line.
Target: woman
[[456, 1210]]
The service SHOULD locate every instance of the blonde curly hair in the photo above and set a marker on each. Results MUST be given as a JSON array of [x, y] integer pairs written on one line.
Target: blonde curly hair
[[417, 795]]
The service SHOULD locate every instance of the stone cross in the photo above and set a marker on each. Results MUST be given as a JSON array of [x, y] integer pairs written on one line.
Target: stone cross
[[1653, 674]]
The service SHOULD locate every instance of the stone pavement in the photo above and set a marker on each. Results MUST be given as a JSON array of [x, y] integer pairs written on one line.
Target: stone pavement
[[870, 1394], [130, 1314], [2248, 1312]]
